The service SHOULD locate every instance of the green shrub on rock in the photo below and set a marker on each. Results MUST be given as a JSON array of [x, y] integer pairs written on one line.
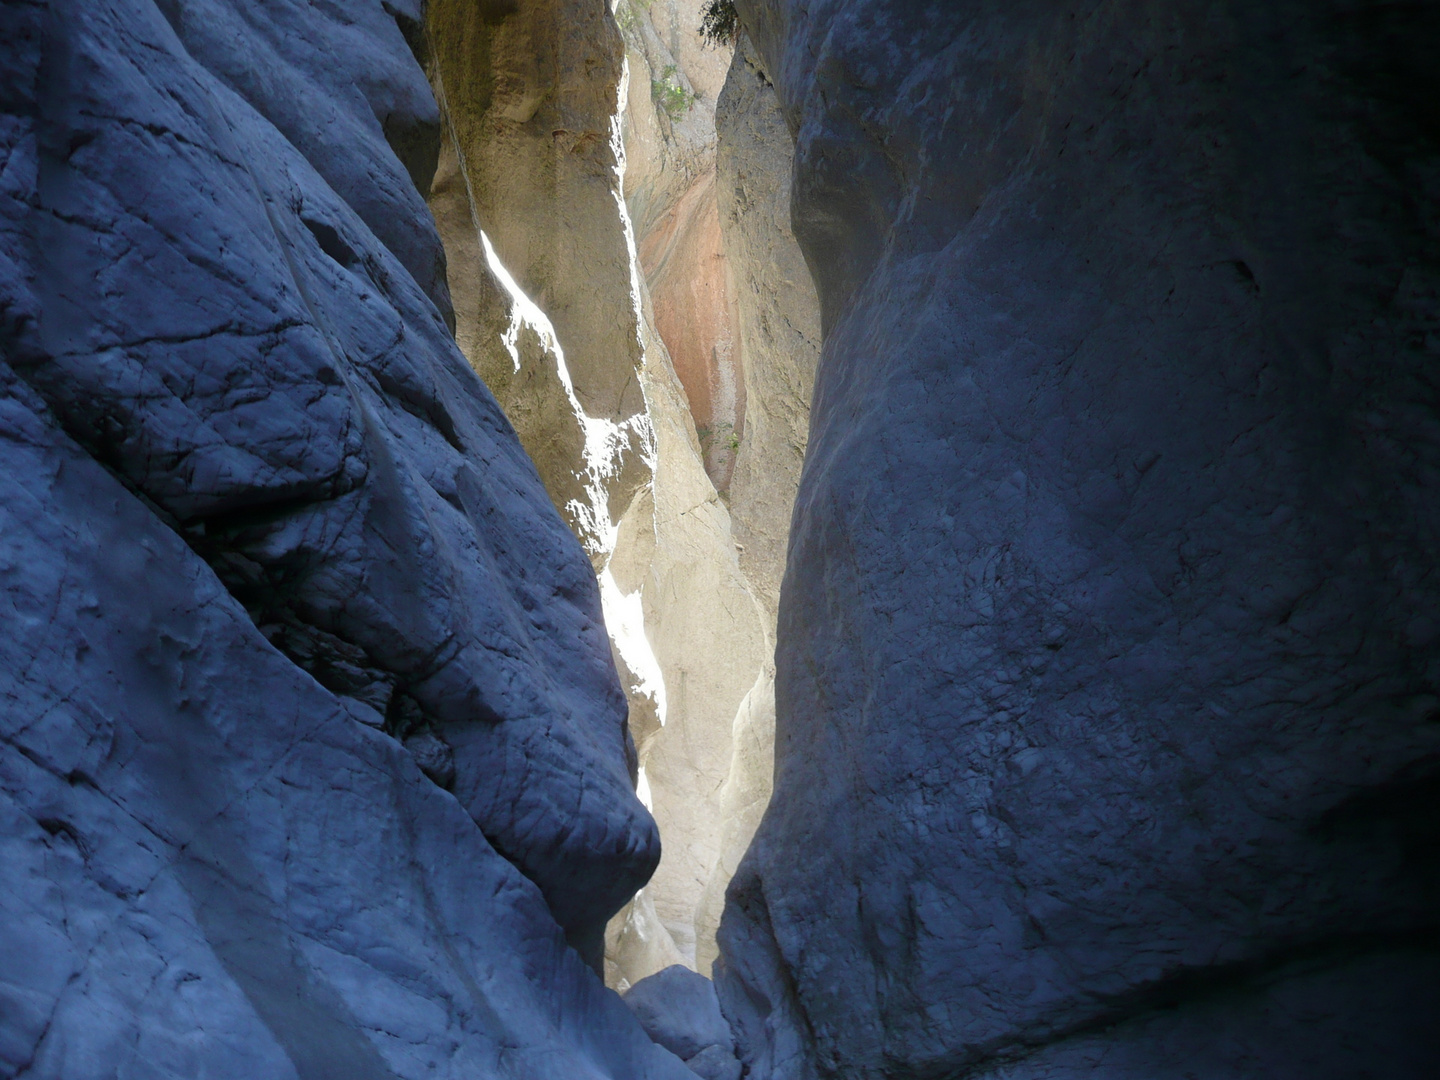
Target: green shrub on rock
[[719, 22]]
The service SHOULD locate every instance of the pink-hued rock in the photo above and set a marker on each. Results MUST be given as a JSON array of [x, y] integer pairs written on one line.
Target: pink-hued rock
[[683, 257]]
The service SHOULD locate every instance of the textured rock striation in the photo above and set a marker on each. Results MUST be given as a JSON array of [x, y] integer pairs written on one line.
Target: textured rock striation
[[1108, 674], [312, 754]]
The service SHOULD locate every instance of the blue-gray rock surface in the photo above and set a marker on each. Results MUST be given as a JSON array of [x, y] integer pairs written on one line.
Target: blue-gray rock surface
[[313, 759], [1108, 673], [678, 1008]]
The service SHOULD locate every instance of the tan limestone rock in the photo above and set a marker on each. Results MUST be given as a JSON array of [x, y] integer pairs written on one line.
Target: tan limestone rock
[[779, 317], [708, 635], [532, 95], [574, 324]]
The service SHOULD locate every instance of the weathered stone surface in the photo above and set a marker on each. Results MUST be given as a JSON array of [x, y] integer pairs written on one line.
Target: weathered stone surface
[[211, 867], [675, 82], [1377, 1008], [779, 317], [779, 323], [262, 523], [716, 1063], [707, 633], [512, 345], [679, 1010], [688, 636], [667, 150], [532, 99], [1107, 671], [686, 273], [708, 771], [637, 944], [738, 805]]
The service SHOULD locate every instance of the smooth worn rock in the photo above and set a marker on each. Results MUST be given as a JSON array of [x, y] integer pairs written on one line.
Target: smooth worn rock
[[543, 134], [687, 276], [637, 944], [779, 322], [213, 865], [700, 612], [552, 310], [263, 523], [679, 1010], [707, 635], [1108, 670], [512, 346], [715, 1063], [740, 802]]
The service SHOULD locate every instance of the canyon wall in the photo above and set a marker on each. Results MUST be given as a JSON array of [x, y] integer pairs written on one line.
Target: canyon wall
[[778, 320], [1108, 673], [313, 758], [701, 613], [675, 82], [611, 349]]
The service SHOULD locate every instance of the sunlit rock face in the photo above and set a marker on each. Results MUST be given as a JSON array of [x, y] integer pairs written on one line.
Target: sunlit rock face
[[675, 82], [778, 320], [531, 96], [702, 616], [313, 752], [1108, 665], [707, 186], [553, 294], [779, 315]]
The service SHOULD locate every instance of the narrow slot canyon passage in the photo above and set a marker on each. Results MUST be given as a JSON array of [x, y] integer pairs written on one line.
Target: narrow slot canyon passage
[[878, 540], [625, 206]]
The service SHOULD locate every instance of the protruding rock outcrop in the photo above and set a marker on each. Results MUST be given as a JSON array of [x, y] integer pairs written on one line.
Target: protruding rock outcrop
[[272, 555], [679, 1010], [1108, 670]]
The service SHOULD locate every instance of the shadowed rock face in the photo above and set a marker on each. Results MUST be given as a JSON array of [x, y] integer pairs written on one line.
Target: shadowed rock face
[[1108, 664], [779, 316], [263, 531]]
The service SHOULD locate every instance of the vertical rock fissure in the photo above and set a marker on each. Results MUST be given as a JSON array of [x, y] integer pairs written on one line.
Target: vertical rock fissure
[[597, 244]]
